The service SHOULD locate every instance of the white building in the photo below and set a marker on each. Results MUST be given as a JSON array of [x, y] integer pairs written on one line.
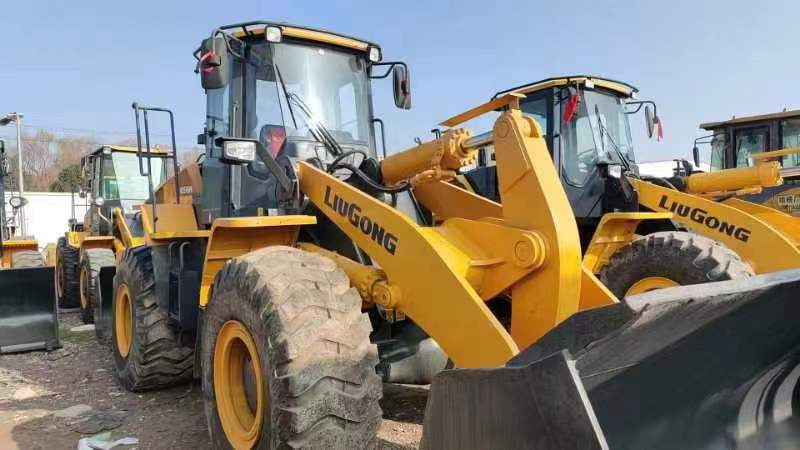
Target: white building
[[47, 214], [664, 168]]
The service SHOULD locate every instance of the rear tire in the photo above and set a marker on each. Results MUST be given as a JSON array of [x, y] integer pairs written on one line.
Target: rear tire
[[27, 258], [315, 362], [154, 358], [67, 286], [93, 260], [681, 257]]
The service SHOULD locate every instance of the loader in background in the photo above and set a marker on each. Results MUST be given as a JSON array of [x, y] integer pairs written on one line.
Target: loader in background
[[28, 311], [289, 273], [735, 142], [641, 233], [113, 182]]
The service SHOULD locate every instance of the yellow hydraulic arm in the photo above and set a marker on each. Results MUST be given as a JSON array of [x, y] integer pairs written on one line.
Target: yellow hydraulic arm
[[766, 172], [766, 239], [441, 276]]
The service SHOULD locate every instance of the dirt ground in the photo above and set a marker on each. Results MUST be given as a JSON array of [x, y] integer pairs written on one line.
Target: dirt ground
[[52, 400]]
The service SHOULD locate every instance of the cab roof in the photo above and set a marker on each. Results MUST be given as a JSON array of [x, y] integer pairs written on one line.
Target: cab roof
[[123, 148], [618, 86], [251, 29], [748, 119]]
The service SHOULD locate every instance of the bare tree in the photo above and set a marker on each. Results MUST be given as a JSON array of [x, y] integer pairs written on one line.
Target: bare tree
[[38, 163]]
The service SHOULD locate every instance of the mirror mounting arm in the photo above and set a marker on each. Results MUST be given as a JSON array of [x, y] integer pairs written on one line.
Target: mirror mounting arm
[[639, 104], [389, 66]]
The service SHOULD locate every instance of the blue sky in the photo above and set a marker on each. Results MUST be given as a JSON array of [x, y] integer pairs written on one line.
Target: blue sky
[[79, 65]]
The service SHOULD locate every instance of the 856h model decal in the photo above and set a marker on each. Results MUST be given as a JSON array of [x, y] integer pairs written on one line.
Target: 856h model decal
[[365, 224], [702, 217]]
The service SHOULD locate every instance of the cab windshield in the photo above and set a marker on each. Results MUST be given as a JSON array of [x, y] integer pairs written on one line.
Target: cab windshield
[[598, 132], [302, 89], [121, 179]]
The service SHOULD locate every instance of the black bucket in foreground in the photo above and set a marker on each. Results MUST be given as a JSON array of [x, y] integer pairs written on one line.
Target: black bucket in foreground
[[707, 366], [28, 310]]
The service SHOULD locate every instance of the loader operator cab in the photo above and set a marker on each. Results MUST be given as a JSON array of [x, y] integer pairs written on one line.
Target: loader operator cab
[[297, 93], [112, 179], [586, 123], [733, 143]]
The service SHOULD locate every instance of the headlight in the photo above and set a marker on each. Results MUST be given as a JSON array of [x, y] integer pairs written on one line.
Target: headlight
[[243, 151], [273, 34], [106, 151], [615, 171], [99, 201], [374, 54]]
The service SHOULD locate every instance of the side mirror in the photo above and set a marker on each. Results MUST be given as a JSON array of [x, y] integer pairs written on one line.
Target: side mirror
[[650, 121], [696, 156], [212, 63], [402, 86]]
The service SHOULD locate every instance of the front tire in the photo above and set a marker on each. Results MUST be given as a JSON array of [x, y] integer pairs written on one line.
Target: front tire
[[670, 258], [286, 356], [67, 274], [147, 353]]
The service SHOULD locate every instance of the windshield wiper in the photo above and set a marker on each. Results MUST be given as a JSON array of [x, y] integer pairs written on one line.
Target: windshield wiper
[[286, 95], [317, 128], [603, 134]]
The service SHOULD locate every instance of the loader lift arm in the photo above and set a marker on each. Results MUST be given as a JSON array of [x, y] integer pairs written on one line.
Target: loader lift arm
[[524, 254]]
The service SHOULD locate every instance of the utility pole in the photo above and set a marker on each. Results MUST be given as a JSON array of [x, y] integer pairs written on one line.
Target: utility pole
[[17, 119]]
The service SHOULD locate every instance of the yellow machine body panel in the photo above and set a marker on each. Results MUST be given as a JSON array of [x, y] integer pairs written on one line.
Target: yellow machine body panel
[[759, 243], [308, 34], [126, 238], [12, 246], [173, 221], [616, 86], [614, 231], [75, 238], [235, 236]]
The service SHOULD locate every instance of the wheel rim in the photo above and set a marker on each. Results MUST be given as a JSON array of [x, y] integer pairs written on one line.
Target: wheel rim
[[650, 284], [236, 362], [122, 320], [84, 286]]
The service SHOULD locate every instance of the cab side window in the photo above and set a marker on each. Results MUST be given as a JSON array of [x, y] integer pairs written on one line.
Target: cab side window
[[790, 138]]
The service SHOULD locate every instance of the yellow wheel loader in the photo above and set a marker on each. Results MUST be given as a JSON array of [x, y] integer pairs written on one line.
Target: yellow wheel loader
[[28, 310], [281, 271], [113, 183], [641, 233], [733, 143]]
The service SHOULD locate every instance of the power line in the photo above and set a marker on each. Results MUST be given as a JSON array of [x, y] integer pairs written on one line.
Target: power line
[[91, 138], [88, 130]]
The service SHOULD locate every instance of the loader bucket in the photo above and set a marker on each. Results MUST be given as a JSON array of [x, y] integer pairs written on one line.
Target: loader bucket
[[28, 310], [706, 366]]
